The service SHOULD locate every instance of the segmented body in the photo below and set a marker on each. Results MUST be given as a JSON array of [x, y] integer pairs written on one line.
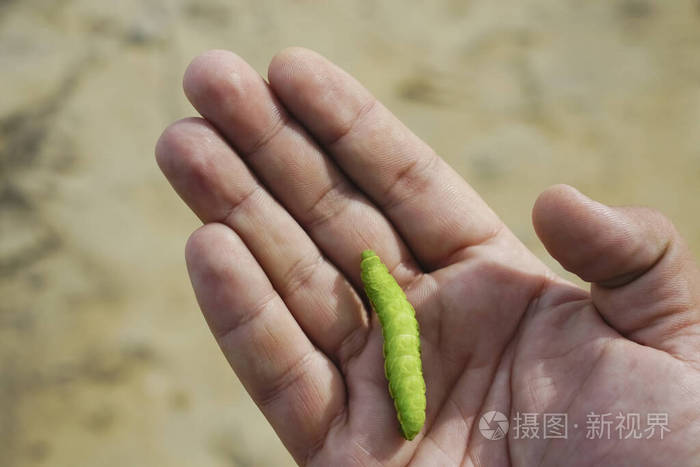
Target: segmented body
[[402, 359]]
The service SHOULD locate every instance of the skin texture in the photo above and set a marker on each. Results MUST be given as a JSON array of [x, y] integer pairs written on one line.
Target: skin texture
[[294, 176], [401, 349]]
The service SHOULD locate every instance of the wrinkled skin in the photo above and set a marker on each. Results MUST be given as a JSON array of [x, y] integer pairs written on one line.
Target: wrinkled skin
[[294, 177]]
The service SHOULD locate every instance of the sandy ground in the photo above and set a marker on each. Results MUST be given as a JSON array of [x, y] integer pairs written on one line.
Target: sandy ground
[[104, 357]]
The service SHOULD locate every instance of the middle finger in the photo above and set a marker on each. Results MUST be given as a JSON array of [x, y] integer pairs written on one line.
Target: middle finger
[[339, 218]]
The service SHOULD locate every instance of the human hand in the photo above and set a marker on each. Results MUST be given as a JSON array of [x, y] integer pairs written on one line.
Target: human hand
[[293, 180]]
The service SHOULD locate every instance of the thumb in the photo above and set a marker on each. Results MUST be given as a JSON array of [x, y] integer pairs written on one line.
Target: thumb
[[644, 281]]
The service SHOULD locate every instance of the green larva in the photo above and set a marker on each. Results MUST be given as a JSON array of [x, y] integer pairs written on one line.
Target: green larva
[[402, 363]]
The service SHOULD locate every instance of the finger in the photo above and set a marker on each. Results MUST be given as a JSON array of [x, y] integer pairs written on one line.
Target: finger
[[437, 213], [298, 390], [230, 94], [217, 185], [645, 283]]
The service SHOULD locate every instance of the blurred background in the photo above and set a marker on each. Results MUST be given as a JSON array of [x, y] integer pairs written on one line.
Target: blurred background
[[104, 357]]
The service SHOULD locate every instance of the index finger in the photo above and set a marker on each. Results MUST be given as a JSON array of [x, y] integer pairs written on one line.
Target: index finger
[[438, 214]]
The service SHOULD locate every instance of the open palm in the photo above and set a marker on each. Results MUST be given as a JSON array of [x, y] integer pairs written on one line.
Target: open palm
[[295, 178]]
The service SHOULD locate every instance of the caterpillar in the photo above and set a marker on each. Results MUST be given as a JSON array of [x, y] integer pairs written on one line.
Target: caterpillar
[[402, 356]]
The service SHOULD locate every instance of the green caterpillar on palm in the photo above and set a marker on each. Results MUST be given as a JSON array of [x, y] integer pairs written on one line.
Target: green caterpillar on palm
[[402, 362]]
